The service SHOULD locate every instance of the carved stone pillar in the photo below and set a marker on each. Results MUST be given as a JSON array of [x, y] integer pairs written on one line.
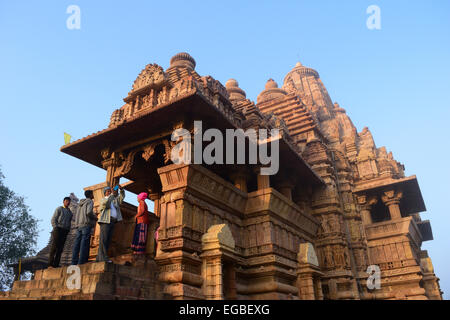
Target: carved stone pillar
[[263, 181], [229, 281], [308, 273], [151, 241], [178, 244], [239, 178], [286, 189], [218, 246], [155, 197], [306, 286], [392, 199], [287, 192], [285, 184], [241, 183], [189, 191], [110, 163], [366, 204], [318, 288]]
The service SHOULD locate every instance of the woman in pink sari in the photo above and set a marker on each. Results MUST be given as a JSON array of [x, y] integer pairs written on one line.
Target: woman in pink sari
[[142, 221]]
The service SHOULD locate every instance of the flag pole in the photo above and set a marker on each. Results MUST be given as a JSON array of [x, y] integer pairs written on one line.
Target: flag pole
[[20, 268]]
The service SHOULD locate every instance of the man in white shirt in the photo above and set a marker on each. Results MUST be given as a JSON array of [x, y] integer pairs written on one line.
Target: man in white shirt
[[109, 215]]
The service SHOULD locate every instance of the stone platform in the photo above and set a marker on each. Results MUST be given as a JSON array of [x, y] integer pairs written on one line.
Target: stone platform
[[137, 280]]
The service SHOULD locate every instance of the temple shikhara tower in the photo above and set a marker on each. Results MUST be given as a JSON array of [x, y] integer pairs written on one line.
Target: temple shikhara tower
[[338, 205]]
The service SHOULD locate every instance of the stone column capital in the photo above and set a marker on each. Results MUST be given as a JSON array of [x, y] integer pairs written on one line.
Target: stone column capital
[[240, 172], [366, 202], [256, 169], [110, 159], [154, 196], [240, 175], [391, 197], [285, 183], [285, 179]]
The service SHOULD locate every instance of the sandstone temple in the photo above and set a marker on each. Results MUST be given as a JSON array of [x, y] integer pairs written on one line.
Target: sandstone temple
[[337, 205]]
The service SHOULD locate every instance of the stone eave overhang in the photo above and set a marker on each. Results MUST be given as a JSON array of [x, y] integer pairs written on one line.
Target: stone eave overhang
[[412, 201], [425, 230], [153, 122], [143, 124], [293, 156]]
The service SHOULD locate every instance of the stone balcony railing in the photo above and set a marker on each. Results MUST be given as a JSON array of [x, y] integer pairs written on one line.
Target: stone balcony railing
[[402, 263], [204, 184], [271, 200], [391, 228]]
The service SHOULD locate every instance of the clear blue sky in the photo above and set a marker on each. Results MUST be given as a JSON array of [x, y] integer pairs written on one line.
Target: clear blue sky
[[55, 80]]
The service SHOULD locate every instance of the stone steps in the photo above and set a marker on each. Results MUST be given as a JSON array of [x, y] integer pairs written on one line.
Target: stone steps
[[99, 281]]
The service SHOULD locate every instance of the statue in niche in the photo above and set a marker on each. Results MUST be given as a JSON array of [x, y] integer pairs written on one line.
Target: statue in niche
[[361, 258], [320, 231], [331, 222], [329, 257], [346, 257], [161, 97], [339, 258], [146, 101], [324, 225]]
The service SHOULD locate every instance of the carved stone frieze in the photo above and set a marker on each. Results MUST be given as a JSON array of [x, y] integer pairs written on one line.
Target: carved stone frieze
[[151, 75]]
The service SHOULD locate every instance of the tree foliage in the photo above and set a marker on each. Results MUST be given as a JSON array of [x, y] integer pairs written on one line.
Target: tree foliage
[[18, 232]]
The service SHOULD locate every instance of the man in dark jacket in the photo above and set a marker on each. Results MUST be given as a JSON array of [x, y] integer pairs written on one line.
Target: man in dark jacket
[[61, 221], [84, 222]]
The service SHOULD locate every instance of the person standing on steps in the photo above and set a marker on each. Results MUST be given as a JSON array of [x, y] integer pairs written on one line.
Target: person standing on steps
[[109, 215], [84, 222], [61, 221], [139, 243]]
